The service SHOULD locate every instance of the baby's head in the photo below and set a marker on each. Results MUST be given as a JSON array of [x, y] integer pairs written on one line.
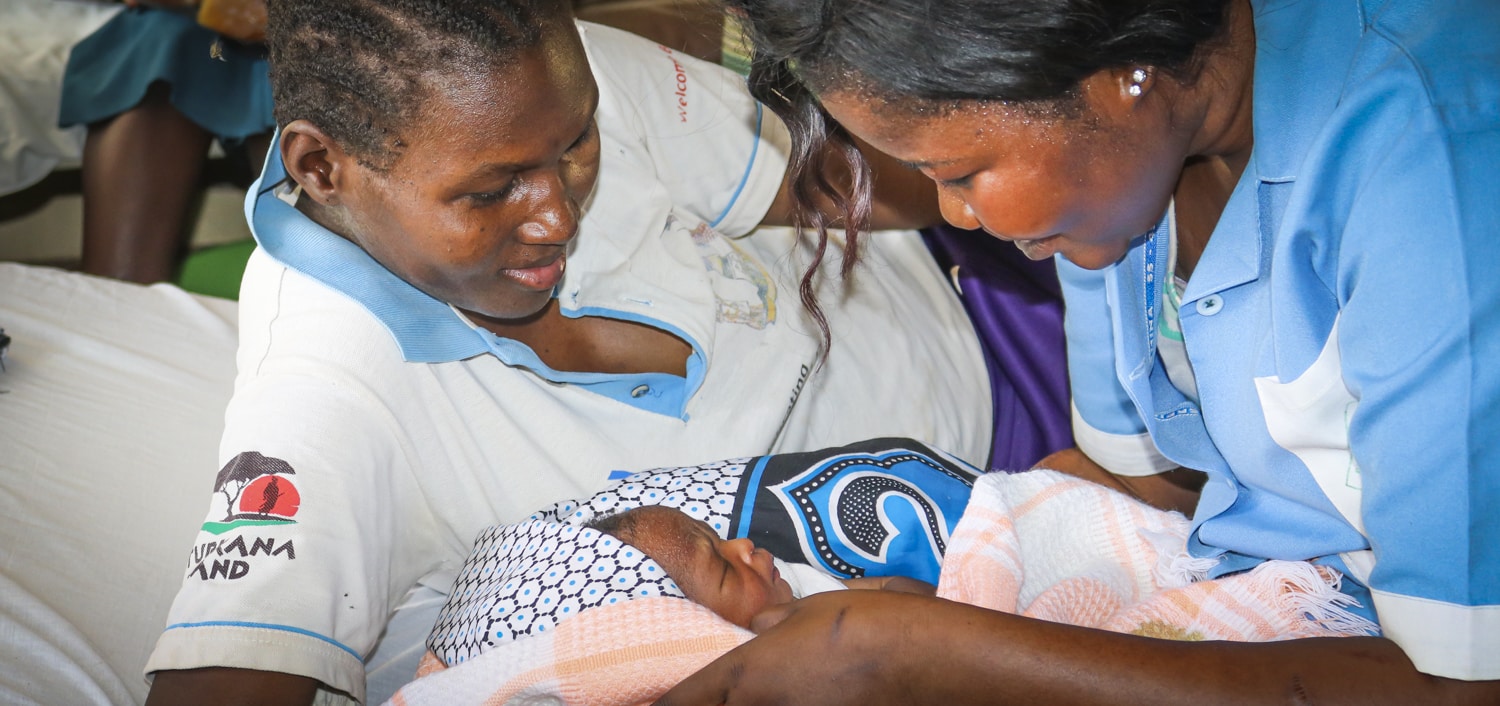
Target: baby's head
[[733, 577], [451, 140]]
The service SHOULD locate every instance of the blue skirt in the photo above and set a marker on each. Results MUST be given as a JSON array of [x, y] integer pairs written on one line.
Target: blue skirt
[[109, 71]]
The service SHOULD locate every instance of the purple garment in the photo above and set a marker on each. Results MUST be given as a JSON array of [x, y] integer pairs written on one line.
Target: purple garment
[[1017, 309]]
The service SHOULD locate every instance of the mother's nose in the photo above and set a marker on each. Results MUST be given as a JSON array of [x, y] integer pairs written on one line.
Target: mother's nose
[[554, 215]]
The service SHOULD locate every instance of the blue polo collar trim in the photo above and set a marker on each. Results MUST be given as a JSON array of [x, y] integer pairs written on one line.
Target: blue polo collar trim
[[662, 393], [424, 328], [427, 330]]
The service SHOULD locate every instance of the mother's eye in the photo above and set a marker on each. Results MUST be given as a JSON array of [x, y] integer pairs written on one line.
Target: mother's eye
[[588, 130], [489, 197]]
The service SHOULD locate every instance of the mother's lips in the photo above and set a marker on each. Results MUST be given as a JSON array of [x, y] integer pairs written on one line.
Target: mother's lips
[[540, 277]]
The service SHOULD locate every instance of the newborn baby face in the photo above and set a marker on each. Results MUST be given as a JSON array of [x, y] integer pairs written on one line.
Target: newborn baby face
[[733, 578]]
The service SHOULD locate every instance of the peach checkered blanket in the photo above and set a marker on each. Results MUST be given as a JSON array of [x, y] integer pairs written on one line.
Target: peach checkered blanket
[[1053, 547]]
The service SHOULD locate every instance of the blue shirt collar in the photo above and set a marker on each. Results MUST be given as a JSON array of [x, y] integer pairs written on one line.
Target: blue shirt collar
[[426, 330], [1297, 84], [1295, 71]]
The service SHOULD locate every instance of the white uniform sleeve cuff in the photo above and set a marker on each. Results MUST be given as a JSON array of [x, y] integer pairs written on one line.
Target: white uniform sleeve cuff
[[1120, 454], [264, 649], [1443, 639]]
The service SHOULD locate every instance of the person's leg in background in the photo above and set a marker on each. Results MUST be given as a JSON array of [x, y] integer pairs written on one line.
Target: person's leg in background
[[140, 173]]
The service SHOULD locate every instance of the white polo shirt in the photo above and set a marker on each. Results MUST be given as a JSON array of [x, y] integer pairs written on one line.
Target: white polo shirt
[[387, 432]]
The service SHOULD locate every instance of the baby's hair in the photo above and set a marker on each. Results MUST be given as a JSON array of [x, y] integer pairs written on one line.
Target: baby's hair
[[360, 69], [626, 526], [621, 525]]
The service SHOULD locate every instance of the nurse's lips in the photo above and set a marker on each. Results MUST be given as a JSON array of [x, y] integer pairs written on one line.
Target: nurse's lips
[[540, 277], [1039, 248]]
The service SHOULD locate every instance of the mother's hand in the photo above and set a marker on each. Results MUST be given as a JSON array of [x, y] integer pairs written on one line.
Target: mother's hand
[[843, 647]]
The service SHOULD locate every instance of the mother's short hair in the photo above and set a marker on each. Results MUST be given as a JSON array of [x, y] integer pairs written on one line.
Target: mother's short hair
[[360, 69]]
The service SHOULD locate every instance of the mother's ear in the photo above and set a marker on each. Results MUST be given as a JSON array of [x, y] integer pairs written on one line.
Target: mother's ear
[[315, 161]]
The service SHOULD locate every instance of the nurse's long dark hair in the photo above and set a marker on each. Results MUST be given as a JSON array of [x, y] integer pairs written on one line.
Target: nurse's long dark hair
[[938, 53]]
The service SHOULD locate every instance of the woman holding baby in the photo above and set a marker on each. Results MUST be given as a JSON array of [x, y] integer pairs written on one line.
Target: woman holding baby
[[1273, 221], [501, 255]]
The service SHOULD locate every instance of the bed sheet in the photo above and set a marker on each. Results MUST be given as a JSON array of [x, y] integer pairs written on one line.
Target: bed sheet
[[111, 408], [35, 38]]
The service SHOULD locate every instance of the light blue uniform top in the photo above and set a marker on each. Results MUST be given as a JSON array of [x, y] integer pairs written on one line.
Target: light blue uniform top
[[1343, 325]]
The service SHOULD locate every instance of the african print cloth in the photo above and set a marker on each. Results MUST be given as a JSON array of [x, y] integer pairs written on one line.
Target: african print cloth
[[525, 578], [883, 507]]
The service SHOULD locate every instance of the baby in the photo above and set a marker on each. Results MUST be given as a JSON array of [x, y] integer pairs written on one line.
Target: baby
[[732, 577]]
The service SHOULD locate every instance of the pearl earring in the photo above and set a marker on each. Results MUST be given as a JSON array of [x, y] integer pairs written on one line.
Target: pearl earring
[[1137, 77]]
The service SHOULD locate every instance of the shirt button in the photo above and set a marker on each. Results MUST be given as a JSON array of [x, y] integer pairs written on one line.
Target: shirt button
[[1210, 305], [640, 390]]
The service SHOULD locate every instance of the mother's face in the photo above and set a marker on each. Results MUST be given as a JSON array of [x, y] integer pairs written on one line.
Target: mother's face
[[479, 208], [1083, 185]]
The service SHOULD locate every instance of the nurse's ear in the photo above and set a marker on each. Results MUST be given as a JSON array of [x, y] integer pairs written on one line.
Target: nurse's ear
[[316, 162], [1122, 93]]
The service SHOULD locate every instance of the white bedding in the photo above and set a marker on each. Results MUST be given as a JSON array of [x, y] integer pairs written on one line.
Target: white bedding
[[35, 38], [111, 408]]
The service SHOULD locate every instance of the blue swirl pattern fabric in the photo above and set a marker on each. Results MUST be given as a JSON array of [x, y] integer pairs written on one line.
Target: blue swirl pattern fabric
[[882, 507]]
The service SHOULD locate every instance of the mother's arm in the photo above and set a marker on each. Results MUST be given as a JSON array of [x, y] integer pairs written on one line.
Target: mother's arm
[[876, 647], [223, 686]]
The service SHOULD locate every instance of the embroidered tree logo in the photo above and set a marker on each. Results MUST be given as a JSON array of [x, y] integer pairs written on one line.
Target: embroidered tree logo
[[255, 488]]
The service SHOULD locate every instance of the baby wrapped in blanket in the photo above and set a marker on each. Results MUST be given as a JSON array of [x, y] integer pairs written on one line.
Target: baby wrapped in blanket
[[551, 610], [732, 577]]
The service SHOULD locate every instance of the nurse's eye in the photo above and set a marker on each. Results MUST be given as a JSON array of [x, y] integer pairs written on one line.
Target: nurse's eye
[[962, 182]]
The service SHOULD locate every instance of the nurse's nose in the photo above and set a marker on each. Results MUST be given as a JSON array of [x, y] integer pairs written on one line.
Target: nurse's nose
[[956, 211]]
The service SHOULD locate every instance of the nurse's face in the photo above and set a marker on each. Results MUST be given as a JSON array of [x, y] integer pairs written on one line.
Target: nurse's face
[[484, 199], [1082, 183]]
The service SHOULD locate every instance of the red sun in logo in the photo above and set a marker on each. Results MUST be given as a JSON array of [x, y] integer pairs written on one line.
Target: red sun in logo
[[270, 495]]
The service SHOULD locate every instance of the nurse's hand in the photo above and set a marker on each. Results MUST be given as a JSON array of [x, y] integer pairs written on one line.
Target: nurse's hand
[[842, 647], [1176, 489]]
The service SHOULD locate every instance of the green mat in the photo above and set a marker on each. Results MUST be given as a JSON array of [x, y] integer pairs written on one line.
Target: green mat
[[216, 270]]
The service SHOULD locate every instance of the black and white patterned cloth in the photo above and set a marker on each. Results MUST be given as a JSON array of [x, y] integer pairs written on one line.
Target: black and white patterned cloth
[[705, 492], [880, 507], [526, 578]]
